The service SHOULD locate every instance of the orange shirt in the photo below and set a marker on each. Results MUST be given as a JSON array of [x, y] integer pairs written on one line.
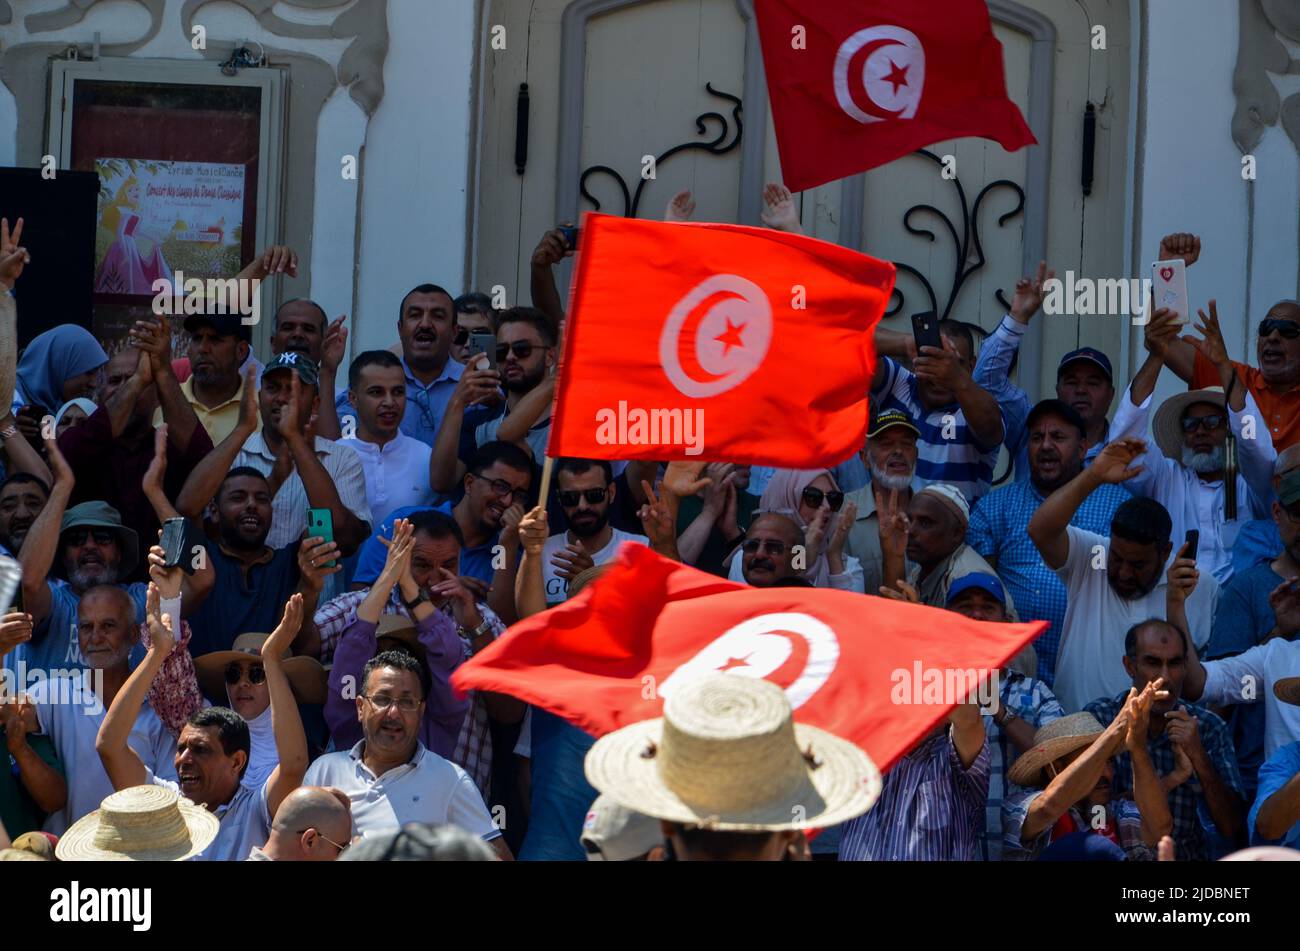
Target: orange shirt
[[1281, 412]]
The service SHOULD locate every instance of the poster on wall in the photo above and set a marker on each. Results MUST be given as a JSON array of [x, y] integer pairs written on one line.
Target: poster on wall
[[159, 217]]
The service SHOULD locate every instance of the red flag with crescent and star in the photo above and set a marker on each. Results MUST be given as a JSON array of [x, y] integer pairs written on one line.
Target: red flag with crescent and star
[[716, 342], [877, 672], [855, 84]]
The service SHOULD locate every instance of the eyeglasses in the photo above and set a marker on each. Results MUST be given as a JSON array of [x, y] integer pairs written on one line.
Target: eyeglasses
[[751, 546], [504, 489], [1289, 329], [78, 536], [569, 498], [1208, 423], [341, 848], [383, 701], [235, 670], [521, 350], [813, 498]]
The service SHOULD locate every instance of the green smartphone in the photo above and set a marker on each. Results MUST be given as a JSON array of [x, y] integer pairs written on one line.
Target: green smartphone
[[320, 524]]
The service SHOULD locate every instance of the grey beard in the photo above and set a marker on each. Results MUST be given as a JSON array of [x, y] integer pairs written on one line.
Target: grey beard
[[898, 483], [87, 578], [1203, 461]]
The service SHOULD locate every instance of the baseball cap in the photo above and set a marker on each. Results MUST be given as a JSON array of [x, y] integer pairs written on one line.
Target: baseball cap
[[1289, 491], [228, 325], [1091, 355], [990, 584], [889, 418], [1055, 407], [292, 360], [614, 833]]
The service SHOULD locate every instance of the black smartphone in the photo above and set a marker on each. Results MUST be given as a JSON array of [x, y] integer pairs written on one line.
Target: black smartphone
[[925, 329], [175, 545], [570, 237], [485, 344], [320, 524], [1193, 543]]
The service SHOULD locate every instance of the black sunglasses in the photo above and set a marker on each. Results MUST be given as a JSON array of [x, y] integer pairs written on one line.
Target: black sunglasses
[[1208, 423], [502, 488], [461, 338], [78, 536], [1289, 329], [521, 350], [813, 498], [234, 671], [751, 546], [569, 498]]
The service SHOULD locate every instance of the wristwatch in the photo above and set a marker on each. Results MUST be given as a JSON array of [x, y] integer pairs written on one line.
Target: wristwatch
[[415, 602]]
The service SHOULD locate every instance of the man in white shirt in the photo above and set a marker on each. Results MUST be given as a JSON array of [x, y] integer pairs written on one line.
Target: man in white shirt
[[1111, 582], [396, 466], [390, 778], [586, 492], [213, 749]]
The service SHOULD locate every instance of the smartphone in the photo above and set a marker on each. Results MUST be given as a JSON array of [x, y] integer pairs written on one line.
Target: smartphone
[[1169, 285], [570, 237], [11, 584], [485, 344], [175, 545], [1193, 543], [320, 524], [925, 328]]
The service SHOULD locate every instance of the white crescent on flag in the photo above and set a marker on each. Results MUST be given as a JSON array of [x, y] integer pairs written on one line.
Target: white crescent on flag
[[892, 76]]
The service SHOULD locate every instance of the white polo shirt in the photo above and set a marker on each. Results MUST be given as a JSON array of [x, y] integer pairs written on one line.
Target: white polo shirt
[[245, 822], [428, 789], [397, 474], [71, 715], [1249, 677]]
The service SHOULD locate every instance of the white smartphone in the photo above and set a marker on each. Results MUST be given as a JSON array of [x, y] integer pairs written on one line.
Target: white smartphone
[[1169, 283], [11, 577]]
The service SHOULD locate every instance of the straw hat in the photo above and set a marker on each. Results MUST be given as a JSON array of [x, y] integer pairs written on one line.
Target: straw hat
[[726, 755], [306, 676], [140, 824], [1051, 742], [1288, 690], [399, 627], [1167, 425], [586, 576]]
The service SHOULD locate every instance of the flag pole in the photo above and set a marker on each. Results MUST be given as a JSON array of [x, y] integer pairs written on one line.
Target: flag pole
[[545, 488]]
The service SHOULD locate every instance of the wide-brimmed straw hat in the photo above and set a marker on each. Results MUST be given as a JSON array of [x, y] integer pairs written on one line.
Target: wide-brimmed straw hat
[[140, 824], [727, 755], [1051, 742], [307, 677], [1167, 425], [1288, 690]]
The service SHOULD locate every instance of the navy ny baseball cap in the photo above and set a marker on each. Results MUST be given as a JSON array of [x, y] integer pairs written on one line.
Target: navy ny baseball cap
[[1092, 356]]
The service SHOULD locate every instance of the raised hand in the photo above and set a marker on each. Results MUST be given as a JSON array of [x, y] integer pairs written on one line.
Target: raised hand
[[153, 337], [902, 592], [1030, 293], [1211, 345], [451, 590], [1285, 602], [1181, 246], [893, 524], [941, 367], [153, 476], [1184, 732], [287, 425], [1161, 330], [840, 533], [162, 639], [533, 531], [59, 467], [314, 556], [1138, 708], [571, 561], [278, 259], [681, 207], [816, 531], [13, 257], [716, 492], [551, 250], [334, 344], [509, 533], [1182, 577], [249, 412], [167, 580], [685, 478], [1114, 464], [15, 629], [475, 386], [282, 637], [779, 210], [398, 561], [660, 526], [18, 717]]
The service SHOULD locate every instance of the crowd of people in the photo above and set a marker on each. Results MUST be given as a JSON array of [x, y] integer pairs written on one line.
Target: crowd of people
[[354, 533]]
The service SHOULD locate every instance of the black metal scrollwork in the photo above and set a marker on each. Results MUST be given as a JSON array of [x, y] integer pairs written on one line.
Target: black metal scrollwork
[[963, 243], [718, 146]]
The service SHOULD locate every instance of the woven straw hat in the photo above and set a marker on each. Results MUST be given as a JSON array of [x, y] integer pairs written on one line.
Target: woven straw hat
[[585, 577], [400, 628], [140, 824], [726, 755], [307, 677], [1167, 424], [1051, 742], [1288, 690]]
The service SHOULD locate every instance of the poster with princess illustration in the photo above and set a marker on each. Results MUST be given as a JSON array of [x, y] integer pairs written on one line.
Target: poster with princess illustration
[[159, 217]]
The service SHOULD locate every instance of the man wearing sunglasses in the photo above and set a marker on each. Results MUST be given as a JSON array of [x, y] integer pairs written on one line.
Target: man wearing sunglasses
[[313, 824], [768, 550], [474, 315], [1191, 430]]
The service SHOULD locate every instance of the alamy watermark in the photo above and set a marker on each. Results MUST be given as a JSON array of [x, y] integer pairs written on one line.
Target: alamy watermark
[[1092, 297], [651, 427], [187, 296], [76, 687]]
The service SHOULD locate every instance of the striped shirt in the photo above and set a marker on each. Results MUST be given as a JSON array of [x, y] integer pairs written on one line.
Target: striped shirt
[[1032, 701], [998, 530], [947, 450], [930, 808], [1122, 814]]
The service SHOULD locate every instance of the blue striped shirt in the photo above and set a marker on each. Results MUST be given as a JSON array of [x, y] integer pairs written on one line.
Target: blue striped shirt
[[947, 450], [930, 809], [998, 530], [1032, 701]]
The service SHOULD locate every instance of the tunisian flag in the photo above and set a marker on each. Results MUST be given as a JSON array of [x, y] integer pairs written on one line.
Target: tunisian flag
[[864, 668], [716, 342], [859, 83]]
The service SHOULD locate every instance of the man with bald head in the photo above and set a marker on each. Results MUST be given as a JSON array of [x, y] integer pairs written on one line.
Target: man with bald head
[[768, 550], [313, 824]]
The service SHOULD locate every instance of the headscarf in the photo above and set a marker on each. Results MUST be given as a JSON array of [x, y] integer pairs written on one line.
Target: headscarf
[[53, 357], [783, 493], [86, 406]]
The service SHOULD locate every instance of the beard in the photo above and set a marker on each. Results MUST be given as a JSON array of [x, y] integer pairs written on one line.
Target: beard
[[590, 529], [90, 577], [1200, 462], [899, 483]]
